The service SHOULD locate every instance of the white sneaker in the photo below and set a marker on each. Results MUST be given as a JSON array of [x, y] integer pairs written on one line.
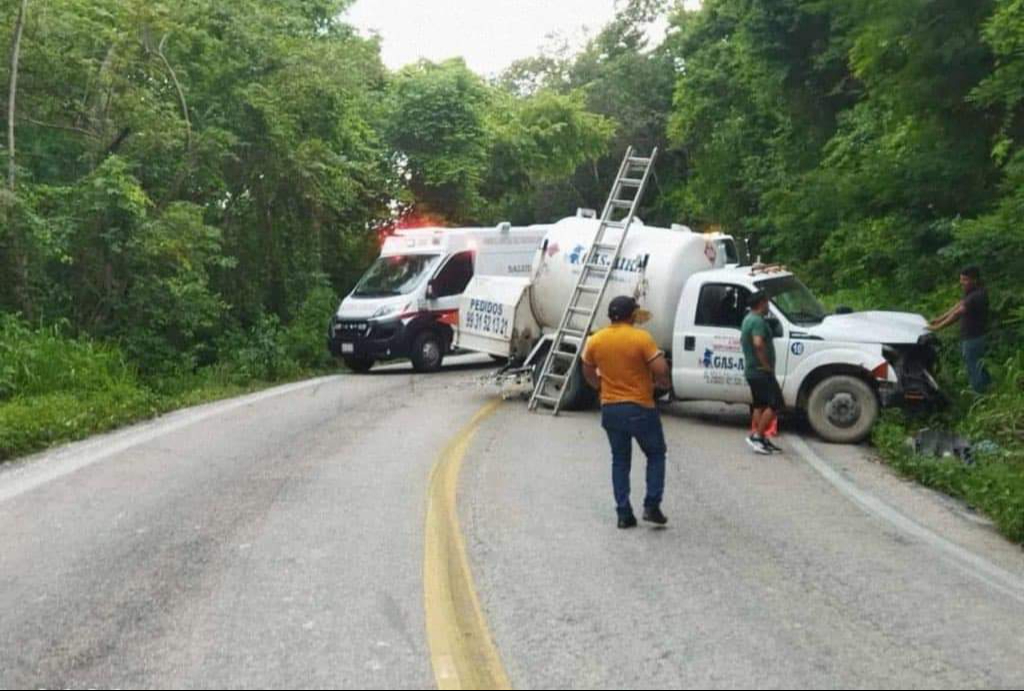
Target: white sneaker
[[758, 445]]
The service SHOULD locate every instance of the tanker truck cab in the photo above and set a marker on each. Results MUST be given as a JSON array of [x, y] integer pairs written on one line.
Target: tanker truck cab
[[837, 369], [405, 304]]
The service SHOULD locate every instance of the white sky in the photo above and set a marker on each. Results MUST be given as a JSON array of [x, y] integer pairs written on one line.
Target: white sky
[[489, 34]]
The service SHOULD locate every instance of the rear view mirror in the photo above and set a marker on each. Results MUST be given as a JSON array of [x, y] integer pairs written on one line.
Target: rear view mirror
[[431, 293], [776, 326]]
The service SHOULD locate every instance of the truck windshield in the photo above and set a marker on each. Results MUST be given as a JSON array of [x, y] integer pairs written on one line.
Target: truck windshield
[[396, 275], [794, 300]]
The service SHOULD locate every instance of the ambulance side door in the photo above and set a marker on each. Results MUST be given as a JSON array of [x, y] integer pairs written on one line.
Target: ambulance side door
[[450, 281]]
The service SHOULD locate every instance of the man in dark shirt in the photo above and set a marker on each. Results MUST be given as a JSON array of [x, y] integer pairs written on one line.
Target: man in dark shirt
[[972, 313]]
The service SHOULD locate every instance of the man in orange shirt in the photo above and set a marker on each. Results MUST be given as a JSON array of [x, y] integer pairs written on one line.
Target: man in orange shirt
[[624, 364]]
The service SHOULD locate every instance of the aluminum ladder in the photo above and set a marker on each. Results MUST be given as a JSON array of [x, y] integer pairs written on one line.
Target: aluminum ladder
[[567, 347]]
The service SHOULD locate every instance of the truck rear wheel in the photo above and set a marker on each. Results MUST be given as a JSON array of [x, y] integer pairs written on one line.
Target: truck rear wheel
[[842, 409], [579, 395], [427, 352], [358, 365]]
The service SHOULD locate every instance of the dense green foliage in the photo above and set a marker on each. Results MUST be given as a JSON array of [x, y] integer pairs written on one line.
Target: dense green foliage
[[188, 172], [54, 387], [197, 182]]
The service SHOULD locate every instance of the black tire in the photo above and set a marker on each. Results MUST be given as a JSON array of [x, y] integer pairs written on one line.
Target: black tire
[[842, 409], [427, 352], [579, 395], [359, 365]]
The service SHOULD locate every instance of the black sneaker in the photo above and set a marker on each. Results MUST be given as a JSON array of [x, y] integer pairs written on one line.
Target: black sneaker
[[653, 514], [758, 445], [626, 521], [772, 447]]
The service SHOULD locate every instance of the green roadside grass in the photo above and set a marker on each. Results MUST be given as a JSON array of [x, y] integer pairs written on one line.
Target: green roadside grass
[[56, 389], [35, 423], [994, 484]]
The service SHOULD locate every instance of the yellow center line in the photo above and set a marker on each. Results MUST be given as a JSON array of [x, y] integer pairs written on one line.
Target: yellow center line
[[461, 649]]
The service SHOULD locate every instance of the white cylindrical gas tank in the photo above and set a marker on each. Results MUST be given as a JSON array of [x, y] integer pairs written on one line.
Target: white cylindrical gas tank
[[671, 257]]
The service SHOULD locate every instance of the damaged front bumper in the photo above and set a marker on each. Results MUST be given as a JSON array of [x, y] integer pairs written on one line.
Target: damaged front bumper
[[914, 365]]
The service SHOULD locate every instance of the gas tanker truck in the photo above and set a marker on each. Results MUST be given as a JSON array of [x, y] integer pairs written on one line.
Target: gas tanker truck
[[837, 369]]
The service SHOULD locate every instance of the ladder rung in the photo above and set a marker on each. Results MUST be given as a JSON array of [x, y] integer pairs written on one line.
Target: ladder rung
[[607, 247], [588, 289], [631, 182], [573, 333], [582, 310], [598, 267], [564, 355], [546, 399], [619, 225], [639, 161], [622, 203], [557, 377]]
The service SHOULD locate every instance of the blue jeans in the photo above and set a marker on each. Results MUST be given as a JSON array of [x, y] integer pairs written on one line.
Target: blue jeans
[[625, 422], [973, 350]]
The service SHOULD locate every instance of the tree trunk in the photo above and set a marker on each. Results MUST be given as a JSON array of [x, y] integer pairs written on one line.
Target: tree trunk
[[12, 93], [19, 253], [181, 92]]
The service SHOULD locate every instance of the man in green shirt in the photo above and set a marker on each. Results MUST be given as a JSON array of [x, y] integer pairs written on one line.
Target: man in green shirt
[[759, 367]]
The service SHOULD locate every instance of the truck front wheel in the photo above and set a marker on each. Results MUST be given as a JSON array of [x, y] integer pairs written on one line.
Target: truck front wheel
[[842, 409], [427, 352]]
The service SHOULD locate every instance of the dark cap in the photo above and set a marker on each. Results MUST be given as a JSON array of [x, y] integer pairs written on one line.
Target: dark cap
[[622, 308], [757, 298]]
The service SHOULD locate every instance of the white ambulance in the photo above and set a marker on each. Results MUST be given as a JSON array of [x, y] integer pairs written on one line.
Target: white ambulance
[[406, 304]]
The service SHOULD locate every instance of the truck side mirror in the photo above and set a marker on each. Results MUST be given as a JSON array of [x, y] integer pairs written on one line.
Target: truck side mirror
[[776, 326], [431, 293]]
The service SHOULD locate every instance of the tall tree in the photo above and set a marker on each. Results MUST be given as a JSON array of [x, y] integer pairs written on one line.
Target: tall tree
[[8, 215], [437, 126], [12, 92]]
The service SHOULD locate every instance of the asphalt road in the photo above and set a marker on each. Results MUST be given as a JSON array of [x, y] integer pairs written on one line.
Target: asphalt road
[[278, 542]]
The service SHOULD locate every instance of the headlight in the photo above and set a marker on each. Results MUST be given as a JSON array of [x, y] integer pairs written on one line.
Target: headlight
[[388, 310]]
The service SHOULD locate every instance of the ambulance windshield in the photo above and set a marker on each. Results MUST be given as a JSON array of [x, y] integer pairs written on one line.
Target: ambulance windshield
[[396, 275]]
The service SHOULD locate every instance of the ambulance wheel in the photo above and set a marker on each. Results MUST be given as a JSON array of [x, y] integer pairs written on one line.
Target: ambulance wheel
[[842, 409], [427, 352], [359, 365]]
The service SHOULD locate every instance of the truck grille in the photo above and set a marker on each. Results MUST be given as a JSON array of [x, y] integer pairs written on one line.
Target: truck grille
[[351, 330]]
